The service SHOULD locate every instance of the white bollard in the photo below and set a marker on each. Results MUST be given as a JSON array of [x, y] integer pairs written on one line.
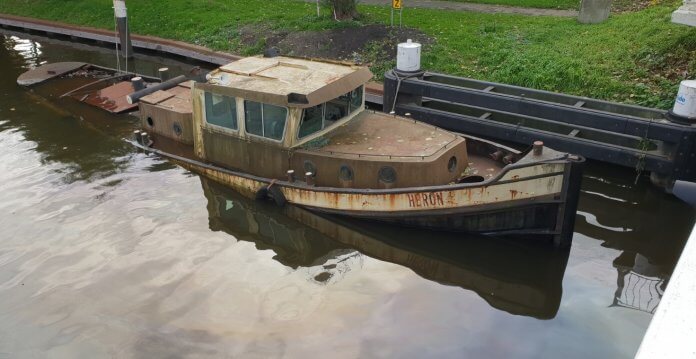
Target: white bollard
[[685, 103]]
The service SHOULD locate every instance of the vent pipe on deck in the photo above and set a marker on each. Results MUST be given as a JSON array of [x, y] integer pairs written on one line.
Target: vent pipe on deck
[[166, 85]]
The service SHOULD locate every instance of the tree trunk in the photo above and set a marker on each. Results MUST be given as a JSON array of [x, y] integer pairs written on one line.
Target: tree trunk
[[344, 9]]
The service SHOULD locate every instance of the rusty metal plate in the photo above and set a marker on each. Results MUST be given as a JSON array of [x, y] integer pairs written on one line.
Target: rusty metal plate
[[112, 98], [47, 72]]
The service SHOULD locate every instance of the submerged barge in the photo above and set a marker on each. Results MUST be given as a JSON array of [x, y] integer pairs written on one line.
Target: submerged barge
[[101, 87], [296, 131]]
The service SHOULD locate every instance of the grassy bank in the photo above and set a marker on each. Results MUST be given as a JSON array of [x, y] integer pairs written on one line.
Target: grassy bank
[[634, 57]]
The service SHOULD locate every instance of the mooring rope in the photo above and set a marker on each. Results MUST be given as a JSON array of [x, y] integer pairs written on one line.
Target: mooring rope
[[398, 85], [127, 29], [640, 165]]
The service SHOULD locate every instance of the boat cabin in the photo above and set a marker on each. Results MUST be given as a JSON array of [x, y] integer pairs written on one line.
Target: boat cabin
[[265, 116]]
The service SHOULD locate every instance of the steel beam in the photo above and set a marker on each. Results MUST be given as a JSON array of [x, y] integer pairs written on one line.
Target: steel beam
[[610, 127]]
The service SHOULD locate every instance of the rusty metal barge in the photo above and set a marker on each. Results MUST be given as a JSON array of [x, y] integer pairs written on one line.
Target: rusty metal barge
[[296, 131]]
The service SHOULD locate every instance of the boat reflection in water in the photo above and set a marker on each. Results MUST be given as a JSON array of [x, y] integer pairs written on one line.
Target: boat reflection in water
[[522, 279], [648, 226]]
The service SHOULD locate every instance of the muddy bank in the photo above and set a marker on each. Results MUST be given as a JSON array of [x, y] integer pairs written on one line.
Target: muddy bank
[[363, 44]]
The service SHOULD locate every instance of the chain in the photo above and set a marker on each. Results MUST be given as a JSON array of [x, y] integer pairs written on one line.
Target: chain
[[644, 143]]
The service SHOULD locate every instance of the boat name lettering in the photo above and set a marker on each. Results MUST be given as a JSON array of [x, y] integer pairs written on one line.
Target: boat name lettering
[[425, 199]]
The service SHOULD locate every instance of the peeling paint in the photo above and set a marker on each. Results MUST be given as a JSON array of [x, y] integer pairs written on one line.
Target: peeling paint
[[403, 202]]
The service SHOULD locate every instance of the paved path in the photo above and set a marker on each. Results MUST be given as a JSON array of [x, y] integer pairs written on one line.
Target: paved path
[[152, 43], [463, 6]]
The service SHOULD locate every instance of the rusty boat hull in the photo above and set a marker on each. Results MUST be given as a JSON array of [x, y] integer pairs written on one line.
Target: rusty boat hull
[[535, 197]]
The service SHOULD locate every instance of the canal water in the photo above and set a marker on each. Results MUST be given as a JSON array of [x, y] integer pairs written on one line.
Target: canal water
[[109, 252]]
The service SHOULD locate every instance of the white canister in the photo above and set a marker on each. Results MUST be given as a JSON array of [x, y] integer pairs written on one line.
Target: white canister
[[408, 55], [685, 104]]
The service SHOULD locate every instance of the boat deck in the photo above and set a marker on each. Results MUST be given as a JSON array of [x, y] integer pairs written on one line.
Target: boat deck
[[47, 72], [483, 166], [176, 99], [377, 134]]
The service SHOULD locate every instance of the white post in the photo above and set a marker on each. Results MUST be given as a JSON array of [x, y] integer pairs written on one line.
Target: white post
[[121, 16]]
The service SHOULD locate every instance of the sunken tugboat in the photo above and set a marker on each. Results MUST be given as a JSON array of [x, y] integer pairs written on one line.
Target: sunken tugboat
[[297, 132]]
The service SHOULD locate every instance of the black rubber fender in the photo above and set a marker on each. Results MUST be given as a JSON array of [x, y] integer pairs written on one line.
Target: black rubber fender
[[271, 192], [261, 193]]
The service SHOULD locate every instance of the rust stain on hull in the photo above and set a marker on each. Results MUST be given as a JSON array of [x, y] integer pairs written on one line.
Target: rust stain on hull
[[405, 202]]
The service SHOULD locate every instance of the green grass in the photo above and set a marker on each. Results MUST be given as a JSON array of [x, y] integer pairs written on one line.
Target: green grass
[[627, 59], [541, 4]]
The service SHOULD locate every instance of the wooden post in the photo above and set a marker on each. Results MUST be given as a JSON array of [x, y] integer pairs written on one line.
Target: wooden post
[[123, 31]]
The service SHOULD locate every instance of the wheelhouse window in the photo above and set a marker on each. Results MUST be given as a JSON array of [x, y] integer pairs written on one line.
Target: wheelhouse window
[[321, 116], [356, 98], [221, 110], [312, 120], [265, 120], [336, 109]]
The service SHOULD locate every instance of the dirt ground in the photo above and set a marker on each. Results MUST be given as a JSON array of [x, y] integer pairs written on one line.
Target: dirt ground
[[620, 6], [359, 44]]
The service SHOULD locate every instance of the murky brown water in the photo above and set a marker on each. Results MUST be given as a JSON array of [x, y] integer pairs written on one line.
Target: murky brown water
[[107, 252]]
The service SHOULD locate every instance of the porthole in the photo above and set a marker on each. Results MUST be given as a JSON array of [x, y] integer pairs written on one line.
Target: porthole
[[345, 173], [177, 129], [150, 122], [452, 164], [310, 167], [387, 174]]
